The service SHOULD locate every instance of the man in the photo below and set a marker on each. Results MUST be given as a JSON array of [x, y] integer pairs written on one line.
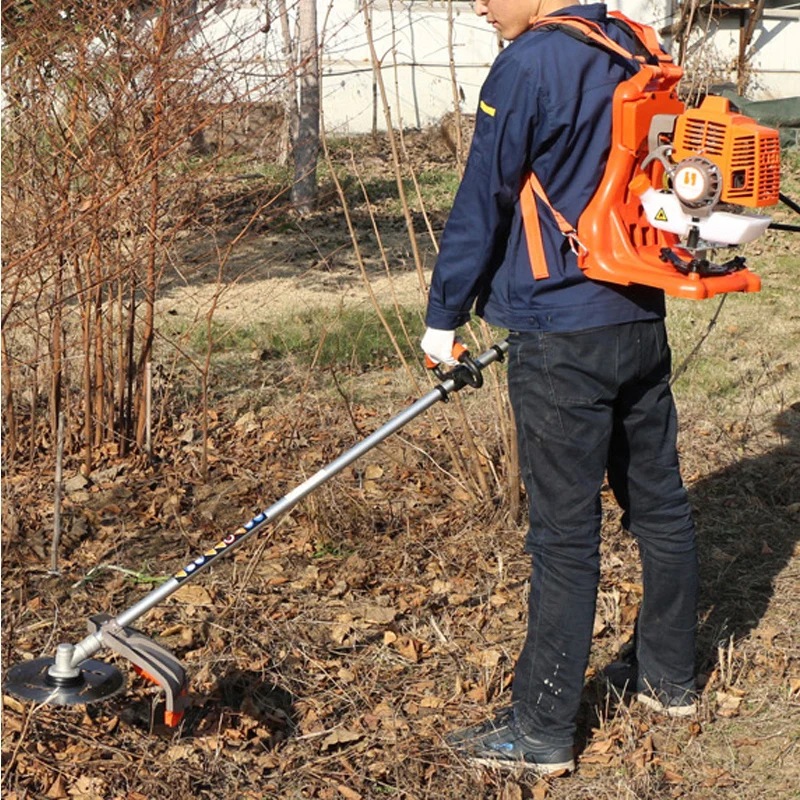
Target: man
[[588, 372]]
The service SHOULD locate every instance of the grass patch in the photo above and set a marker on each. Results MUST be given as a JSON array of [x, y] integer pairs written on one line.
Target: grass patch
[[437, 188], [746, 360], [326, 549], [353, 337]]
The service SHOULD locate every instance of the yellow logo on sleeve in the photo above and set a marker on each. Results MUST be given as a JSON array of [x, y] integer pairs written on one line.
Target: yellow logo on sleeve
[[488, 109]]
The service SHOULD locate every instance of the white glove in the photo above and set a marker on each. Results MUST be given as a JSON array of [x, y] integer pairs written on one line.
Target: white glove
[[438, 346]]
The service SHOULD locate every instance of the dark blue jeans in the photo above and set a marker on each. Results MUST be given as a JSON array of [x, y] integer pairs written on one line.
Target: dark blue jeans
[[589, 404]]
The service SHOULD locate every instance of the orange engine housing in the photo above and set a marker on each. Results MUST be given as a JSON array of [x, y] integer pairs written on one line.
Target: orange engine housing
[[615, 241], [620, 245], [746, 153]]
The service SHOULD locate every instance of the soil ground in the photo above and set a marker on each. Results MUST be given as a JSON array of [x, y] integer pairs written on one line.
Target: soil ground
[[329, 657]]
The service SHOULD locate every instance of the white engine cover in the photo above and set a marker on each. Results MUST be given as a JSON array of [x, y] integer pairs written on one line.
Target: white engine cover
[[664, 211]]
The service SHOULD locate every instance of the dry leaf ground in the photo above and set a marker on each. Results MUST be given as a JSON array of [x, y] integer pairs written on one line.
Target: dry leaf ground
[[329, 657]]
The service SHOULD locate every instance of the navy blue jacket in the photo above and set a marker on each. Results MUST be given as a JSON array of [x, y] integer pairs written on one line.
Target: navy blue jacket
[[546, 104]]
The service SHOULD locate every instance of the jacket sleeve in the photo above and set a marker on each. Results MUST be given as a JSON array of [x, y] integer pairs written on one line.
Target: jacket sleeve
[[479, 220]]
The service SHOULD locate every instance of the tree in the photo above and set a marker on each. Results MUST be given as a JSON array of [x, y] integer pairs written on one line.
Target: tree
[[306, 146]]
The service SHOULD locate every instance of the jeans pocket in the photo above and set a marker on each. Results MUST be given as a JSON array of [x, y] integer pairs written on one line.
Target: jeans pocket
[[581, 367]]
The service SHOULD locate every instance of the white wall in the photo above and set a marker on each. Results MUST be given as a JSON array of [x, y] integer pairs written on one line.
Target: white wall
[[415, 63], [775, 63], [419, 88], [420, 44]]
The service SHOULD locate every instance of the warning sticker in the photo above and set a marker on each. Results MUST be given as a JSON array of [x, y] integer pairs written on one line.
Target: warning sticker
[[661, 216]]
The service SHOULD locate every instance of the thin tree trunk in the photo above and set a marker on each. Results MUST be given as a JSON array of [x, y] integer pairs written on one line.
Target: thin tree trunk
[[146, 354], [110, 323], [306, 151], [57, 496], [120, 398], [745, 37], [85, 302], [685, 24], [126, 411], [9, 412], [57, 348], [8, 401], [412, 173], [376, 69], [291, 120], [37, 357], [148, 408], [99, 367], [88, 397], [206, 370], [459, 139], [513, 478]]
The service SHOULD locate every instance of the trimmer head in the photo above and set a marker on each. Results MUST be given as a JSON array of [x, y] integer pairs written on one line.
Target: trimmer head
[[66, 680], [42, 682]]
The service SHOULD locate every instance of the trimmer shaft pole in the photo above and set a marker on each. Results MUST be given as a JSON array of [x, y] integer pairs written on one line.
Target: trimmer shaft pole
[[453, 381]]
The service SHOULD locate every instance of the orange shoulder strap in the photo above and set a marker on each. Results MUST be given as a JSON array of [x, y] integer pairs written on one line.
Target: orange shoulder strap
[[531, 190], [533, 229], [589, 31], [645, 34]]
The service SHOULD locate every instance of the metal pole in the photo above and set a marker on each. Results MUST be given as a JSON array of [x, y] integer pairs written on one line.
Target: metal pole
[[452, 383]]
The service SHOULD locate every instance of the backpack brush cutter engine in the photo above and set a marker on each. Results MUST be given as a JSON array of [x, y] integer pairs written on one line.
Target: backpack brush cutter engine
[[72, 677], [678, 181], [718, 163], [714, 167]]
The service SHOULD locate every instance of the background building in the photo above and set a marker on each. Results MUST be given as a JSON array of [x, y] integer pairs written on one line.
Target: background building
[[415, 41]]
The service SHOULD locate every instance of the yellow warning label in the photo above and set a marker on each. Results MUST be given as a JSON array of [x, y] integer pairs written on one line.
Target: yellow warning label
[[661, 216]]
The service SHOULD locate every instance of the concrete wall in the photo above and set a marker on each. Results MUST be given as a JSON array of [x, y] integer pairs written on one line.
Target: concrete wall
[[411, 40], [775, 64], [419, 88], [412, 43]]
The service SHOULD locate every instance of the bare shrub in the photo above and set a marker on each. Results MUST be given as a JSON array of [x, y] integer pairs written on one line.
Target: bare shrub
[[116, 128]]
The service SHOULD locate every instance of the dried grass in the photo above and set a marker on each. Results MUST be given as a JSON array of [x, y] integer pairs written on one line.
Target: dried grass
[[329, 659]]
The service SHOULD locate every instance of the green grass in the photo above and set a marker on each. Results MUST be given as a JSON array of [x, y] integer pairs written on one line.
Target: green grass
[[353, 338], [437, 188], [437, 185], [141, 577], [327, 549], [745, 362]]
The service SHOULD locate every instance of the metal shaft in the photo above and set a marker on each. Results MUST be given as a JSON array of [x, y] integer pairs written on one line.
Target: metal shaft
[[452, 383]]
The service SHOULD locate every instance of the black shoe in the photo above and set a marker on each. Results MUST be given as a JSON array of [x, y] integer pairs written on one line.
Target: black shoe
[[622, 677], [501, 744]]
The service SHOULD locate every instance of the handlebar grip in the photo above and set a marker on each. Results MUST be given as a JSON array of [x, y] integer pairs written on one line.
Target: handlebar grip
[[458, 350]]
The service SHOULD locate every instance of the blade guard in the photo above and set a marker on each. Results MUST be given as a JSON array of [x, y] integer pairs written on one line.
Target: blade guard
[[150, 660]]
